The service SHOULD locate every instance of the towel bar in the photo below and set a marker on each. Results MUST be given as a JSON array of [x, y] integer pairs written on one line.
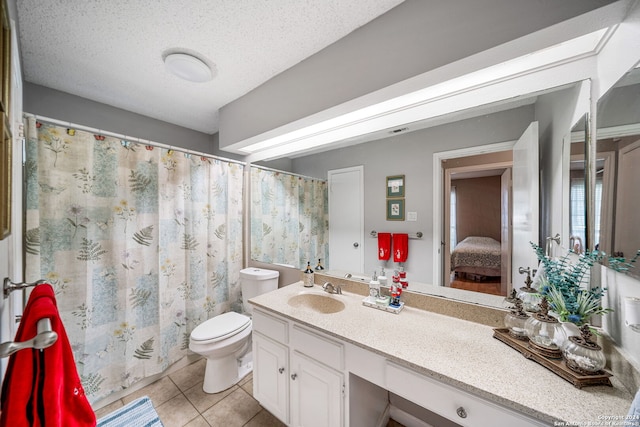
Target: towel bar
[[417, 235], [45, 338], [8, 286]]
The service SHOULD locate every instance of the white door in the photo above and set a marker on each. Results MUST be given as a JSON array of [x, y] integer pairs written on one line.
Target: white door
[[627, 238], [525, 203], [505, 231], [316, 394], [11, 247], [271, 376], [346, 219]]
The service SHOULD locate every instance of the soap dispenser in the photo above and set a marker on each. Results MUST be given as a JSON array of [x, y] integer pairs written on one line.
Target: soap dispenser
[[307, 276], [382, 278], [374, 287]]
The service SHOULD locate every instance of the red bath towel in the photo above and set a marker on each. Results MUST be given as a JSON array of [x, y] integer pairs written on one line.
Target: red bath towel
[[400, 247], [41, 387], [384, 246]]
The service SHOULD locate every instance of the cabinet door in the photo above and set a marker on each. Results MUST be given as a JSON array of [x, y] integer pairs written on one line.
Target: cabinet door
[[317, 398], [270, 376]]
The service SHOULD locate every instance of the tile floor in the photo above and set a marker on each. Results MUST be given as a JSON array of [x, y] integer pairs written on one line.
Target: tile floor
[[180, 402]]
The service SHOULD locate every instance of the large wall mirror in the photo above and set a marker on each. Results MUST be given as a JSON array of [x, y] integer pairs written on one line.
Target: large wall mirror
[[474, 130], [473, 119], [617, 174]]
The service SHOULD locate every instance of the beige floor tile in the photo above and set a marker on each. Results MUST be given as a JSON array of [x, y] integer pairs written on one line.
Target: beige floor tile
[[203, 401], [248, 387], [189, 376], [233, 411], [106, 410], [264, 419], [159, 392], [197, 422], [177, 412], [246, 379]]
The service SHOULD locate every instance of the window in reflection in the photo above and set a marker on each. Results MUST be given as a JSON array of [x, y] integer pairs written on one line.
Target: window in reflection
[[577, 208]]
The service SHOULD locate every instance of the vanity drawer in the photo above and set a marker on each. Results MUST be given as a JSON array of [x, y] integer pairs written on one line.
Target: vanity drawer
[[270, 326], [461, 407], [319, 347]]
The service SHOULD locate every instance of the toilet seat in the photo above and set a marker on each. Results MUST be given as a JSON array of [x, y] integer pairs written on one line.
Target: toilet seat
[[220, 327]]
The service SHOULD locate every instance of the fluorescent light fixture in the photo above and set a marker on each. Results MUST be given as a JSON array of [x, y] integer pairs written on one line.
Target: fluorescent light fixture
[[188, 67], [358, 122]]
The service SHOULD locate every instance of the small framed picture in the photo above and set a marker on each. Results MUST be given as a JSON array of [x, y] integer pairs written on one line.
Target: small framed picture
[[395, 186], [395, 209]]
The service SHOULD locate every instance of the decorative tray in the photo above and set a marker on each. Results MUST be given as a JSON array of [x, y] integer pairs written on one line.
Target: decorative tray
[[557, 366], [367, 302]]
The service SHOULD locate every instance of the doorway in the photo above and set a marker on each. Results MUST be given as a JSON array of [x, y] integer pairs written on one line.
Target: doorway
[[477, 214], [523, 203]]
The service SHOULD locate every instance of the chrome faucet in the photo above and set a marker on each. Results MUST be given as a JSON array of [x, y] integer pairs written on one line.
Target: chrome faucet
[[328, 287]]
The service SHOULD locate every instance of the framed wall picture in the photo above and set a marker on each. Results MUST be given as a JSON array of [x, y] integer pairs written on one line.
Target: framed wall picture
[[395, 186], [395, 209]]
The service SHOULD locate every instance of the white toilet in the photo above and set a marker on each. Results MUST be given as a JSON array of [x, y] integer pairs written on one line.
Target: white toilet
[[225, 340]]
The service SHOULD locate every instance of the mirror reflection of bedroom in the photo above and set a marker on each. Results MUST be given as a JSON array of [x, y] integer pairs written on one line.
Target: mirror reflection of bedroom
[[478, 192]]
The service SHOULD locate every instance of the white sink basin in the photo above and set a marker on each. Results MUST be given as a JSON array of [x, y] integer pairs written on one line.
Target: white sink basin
[[320, 303]]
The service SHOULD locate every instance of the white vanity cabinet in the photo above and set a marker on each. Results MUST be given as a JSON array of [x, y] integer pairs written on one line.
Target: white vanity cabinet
[[271, 376], [456, 405], [300, 376], [297, 373], [316, 393]]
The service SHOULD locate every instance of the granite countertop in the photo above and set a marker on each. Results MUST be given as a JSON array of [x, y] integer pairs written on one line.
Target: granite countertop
[[457, 352]]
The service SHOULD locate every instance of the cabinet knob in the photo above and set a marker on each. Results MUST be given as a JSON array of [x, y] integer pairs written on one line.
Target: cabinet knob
[[461, 412], [294, 376], [356, 244], [281, 370]]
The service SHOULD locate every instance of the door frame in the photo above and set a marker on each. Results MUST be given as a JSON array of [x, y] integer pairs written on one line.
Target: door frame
[[438, 197], [505, 216], [360, 200]]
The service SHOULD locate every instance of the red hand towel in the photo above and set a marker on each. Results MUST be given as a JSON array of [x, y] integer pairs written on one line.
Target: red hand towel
[[400, 247], [384, 246], [42, 388]]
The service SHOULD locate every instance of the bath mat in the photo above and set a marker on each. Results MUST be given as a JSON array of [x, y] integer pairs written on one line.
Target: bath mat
[[139, 413]]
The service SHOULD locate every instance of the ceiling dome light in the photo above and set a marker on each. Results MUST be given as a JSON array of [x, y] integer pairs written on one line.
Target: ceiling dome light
[[188, 67]]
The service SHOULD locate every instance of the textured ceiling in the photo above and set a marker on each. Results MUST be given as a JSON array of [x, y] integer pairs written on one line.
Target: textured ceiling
[[111, 51]]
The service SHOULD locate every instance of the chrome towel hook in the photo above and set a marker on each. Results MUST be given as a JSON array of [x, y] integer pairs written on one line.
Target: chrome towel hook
[[8, 286]]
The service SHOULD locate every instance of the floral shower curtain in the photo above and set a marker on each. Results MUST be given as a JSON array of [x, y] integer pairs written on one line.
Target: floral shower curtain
[[289, 218], [140, 243]]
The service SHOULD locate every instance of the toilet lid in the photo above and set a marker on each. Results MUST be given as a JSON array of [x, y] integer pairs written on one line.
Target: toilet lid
[[221, 326]]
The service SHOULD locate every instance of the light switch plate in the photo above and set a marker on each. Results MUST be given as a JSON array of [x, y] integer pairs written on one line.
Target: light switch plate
[[412, 216]]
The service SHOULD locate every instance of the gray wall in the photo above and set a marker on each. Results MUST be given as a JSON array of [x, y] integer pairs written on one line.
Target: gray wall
[[412, 155], [59, 105], [415, 37]]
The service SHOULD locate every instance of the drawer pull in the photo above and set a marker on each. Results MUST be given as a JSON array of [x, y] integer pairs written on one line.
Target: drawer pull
[[281, 370], [461, 412], [294, 376]]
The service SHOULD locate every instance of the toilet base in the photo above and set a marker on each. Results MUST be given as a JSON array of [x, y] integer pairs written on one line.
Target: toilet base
[[221, 374]]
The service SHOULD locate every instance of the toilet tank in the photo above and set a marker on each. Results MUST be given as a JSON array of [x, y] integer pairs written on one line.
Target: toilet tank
[[256, 281]]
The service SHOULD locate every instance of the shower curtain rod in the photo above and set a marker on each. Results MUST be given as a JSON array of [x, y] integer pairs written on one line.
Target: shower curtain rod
[[285, 172], [130, 138]]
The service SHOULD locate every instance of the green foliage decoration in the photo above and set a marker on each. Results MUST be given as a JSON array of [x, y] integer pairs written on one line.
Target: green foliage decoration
[[561, 285]]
